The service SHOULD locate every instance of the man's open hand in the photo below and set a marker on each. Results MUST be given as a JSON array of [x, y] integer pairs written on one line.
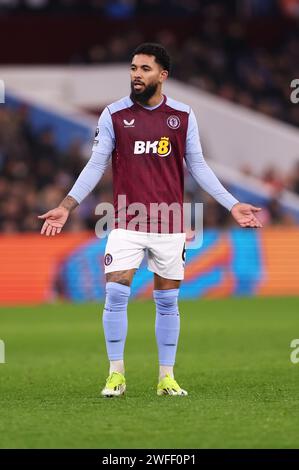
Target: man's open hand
[[54, 221], [244, 214]]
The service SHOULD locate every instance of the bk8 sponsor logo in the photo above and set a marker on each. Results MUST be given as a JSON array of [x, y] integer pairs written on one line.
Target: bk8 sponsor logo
[[160, 147]]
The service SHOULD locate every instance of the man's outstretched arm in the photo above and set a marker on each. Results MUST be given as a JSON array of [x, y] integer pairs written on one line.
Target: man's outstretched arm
[[87, 180], [55, 219], [243, 213]]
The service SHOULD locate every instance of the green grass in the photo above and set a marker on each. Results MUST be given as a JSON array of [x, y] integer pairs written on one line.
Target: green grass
[[233, 358]]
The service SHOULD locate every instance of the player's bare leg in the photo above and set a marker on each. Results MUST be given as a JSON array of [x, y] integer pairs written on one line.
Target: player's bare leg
[[167, 333], [121, 277], [160, 283], [115, 328]]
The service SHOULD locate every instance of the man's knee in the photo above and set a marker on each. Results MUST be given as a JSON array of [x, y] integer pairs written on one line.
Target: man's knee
[[115, 320], [117, 296], [167, 301]]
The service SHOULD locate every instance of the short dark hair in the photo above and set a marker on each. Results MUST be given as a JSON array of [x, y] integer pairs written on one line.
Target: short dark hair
[[159, 52]]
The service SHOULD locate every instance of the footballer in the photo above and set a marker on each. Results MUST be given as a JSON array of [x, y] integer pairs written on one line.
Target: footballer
[[149, 136]]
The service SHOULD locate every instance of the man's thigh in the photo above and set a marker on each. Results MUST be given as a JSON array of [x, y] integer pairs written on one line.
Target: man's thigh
[[166, 258], [121, 277], [124, 253], [161, 283]]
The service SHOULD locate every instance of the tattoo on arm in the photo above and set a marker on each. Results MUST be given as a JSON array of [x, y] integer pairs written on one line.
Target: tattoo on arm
[[69, 203]]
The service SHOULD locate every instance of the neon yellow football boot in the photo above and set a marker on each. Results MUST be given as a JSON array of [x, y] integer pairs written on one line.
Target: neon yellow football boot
[[115, 385], [169, 386]]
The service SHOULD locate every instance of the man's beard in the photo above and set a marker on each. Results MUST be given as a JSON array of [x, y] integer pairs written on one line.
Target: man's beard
[[142, 97]]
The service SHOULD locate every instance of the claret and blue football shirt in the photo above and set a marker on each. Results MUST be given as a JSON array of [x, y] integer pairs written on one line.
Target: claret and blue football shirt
[[148, 146]]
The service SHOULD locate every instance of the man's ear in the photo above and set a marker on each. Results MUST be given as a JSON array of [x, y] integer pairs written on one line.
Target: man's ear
[[163, 75]]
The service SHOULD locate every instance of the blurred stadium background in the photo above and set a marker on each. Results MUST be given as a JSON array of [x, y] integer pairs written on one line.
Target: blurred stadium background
[[233, 61], [62, 61]]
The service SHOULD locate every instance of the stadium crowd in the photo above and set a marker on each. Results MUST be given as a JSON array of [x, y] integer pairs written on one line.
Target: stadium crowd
[[125, 8], [219, 56], [226, 65], [35, 175]]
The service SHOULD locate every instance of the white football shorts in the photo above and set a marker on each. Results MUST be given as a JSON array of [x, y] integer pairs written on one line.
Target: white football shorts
[[125, 249]]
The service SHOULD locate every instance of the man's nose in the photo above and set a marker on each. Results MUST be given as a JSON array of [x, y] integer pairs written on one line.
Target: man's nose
[[137, 75]]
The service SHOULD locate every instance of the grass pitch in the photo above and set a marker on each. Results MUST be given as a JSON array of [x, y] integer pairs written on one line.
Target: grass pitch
[[233, 358]]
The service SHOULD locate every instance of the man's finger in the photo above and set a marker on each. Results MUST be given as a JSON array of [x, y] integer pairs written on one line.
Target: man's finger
[[255, 209], [45, 225], [53, 231], [44, 216], [49, 230], [58, 230], [257, 222]]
